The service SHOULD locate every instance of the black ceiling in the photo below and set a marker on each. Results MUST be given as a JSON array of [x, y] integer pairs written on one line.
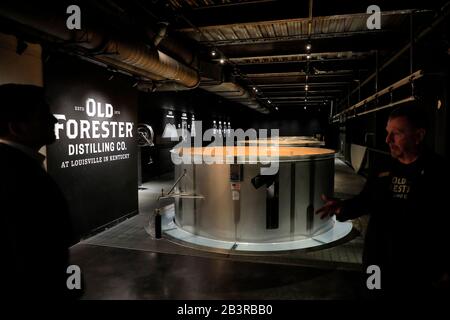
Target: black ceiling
[[263, 42]]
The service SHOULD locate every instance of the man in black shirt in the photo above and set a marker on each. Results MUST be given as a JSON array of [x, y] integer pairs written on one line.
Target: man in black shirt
[[407, 235], [35, 225]]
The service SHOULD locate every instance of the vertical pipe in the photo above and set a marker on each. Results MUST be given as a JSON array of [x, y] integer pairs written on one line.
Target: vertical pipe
[[310, 18], [411, 39], [376, 71]]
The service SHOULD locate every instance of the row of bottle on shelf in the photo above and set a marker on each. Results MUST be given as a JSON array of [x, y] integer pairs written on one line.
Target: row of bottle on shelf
[[223, 130], [219, 129]]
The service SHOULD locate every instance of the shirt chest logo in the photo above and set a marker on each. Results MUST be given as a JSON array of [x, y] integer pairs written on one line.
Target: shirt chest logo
[[400, 187]]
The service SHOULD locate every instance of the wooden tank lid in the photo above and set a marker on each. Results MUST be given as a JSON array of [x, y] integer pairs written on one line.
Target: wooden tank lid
[[244, 154], [283, 142]]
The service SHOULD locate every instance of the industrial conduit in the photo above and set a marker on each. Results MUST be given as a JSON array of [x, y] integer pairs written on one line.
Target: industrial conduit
[[133, 57], [234, 92], [151, 60]]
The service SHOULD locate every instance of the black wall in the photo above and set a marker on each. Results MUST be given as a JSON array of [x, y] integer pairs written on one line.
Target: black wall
[[98, 192], [293, 123], [153, 108]]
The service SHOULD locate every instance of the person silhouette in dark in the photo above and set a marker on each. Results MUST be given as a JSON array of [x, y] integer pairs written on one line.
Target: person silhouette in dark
[[407, 234], [35, 224]]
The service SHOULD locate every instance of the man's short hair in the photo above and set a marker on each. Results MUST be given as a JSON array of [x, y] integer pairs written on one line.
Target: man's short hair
[[18, 102], [414, 112]]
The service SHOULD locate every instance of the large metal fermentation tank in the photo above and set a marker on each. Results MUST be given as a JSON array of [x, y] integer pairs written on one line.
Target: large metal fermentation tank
[[240, 204]]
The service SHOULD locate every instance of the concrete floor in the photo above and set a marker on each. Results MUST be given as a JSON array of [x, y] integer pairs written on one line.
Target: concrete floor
[[124, 262], [113, 273]]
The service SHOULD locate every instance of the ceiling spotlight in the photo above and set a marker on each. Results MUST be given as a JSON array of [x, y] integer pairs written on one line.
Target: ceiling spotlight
[[308, 46], [304, 107], [268, 101], [255, 89], [222, 61], [308, 56], [213, 53], [306, 87], [276, 108]]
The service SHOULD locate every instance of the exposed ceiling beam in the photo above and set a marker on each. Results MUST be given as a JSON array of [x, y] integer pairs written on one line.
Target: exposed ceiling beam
[[289, 86], [208, 5], [318, 103], [302, 57], [295, 74], [298, 93], [305, 20], [213, 12], [357, 43], [315, 67], [287, 99]]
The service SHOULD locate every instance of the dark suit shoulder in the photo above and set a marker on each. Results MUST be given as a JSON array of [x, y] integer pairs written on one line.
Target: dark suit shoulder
[[13, 159]]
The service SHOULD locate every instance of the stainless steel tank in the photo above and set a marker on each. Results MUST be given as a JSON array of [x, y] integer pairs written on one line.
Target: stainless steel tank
[[239, 204]]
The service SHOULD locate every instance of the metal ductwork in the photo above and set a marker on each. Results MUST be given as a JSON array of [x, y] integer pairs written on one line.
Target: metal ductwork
[[154, 61], [235, 92], [144, 61], [173, 47], [153, 86], [131, 56]]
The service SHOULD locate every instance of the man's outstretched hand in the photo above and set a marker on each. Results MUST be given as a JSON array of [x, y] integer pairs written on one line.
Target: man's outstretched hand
[[331, 207]]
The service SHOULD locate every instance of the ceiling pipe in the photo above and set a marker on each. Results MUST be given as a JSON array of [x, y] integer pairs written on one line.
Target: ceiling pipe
[[154, 61], [236, 93], [171, 46], [117, 52], [153, 86], [145, 75], [133, 57]]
